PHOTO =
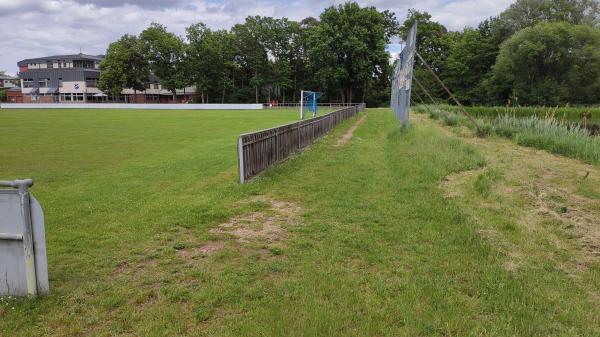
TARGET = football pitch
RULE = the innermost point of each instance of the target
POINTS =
(393, 233)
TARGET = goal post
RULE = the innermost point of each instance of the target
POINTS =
(308, 102)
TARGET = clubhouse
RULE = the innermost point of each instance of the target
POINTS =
(74, 79)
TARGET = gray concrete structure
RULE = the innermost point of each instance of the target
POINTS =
(23, 264)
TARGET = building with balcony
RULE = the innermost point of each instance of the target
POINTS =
(74, 79)
(61, 78)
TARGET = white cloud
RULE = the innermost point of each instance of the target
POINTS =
(33, 28)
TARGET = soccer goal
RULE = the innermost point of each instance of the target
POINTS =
(308, 103)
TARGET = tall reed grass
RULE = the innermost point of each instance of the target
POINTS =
(567, 113)
(548, 133)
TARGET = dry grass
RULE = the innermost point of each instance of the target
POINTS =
(541, 195)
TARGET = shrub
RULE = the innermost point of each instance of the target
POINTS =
(449, 118)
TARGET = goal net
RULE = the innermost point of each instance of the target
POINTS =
(308, 103)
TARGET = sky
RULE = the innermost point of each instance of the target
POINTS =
(35, 28)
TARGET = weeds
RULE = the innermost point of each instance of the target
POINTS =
(548, 133)
(583, 115)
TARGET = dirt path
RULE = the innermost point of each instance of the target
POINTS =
(350, 133)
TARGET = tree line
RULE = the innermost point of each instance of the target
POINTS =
(342, 54)
(536, 52)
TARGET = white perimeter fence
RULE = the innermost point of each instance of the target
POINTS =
(131, 106)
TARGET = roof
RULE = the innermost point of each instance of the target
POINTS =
(7, 77)
(61, 57)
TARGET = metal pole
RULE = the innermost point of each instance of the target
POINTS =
(423, 102)
(241, 158)
(28, 241)
(301, 104)
(424, 90)
(450, 93)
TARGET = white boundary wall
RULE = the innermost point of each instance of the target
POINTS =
(131, 106)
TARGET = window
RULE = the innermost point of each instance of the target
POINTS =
(83, 64)
(78, 97)
(60, 82)
(43, 82)
(65, 97)
(49, 64)
(91, 82)
(28, 83)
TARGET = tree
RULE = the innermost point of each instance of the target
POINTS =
(125, 66)
(549, 64)
(211, 56)
(252, 38)
(528, 13)
(347, 48)
(198, 61)
(468, 65)
(166, 53)
(433, 44)
(223, 44)
(301, 75)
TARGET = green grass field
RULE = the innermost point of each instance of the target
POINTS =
(149, 233)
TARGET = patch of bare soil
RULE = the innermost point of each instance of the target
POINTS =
(346, 137)
(264, 226)
(261, 227)
(205, 250)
